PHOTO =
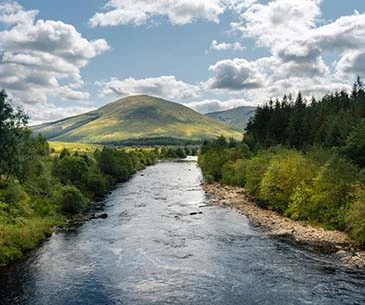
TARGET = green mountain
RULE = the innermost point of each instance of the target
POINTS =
(134, 120)
(236, 117)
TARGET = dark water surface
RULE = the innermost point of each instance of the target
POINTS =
(151, 251)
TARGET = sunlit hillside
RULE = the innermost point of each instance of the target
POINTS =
(136, 117)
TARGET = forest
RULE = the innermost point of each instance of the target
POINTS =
(302, 158)
(41, 188)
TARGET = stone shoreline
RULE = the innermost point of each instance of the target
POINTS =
(313, 238)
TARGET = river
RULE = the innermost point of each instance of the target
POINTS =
(150, 250)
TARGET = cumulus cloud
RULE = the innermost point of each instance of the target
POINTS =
(352, 63)
(178, 12)
(278, 20)
(40, 59)
(290, 30)
(140, 11)
(224, 46)
(304, 53)
(165, 86)
(235, 74)
(12, 13)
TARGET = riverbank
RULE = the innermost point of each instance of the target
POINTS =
(311, 237)
(61, 192)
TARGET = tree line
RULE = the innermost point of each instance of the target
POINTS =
(335, 121)
(305, 159)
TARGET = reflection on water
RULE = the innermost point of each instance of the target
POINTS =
(150, 250)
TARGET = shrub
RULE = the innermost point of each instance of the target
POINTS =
(70, 169)
(325, 199)
(319, 155)
(211, 163)
(117, 164)
(14, 194)
(71, 200)
(96, 184)
(209, 178)
(16, 199)
(255, 170)
(356, 218)
(234, 173)
(234, 154)
(286, 171)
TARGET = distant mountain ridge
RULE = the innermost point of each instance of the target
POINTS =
(236, 117)
(136, 119)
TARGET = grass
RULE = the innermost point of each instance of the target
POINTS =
(23, 234)
(73, 147)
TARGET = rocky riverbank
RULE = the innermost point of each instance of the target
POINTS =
(314, 238)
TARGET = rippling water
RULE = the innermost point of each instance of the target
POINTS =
(150, 250)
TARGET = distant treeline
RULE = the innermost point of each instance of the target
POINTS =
(335, 121)
(153, 142)
(40, 188)
(303, 159)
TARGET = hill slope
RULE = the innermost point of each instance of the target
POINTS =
(136, 117)
(236, 117)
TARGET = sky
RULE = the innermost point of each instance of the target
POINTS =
(62, 58)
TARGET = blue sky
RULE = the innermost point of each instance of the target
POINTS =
(60, 58)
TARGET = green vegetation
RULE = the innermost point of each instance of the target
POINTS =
(306, 161)
(137, 120)
(237, 117)
(58, 147)
(39, 190)
(334, 121)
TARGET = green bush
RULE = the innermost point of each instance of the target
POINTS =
(21, 235)
(71, 200)
(115, 163)
(96, 184)
(209, 178)
(356, 218)
(319, 155)
(14, 194)
(234, 173)
(255, 170)
(16, 199)
(325, 199)
(70, 169)
(44, 207)
(285, 173)
(212, 162)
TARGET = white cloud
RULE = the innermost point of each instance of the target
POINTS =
(235, 74)
(52, 113)
(290, 30)
(224, 46)
(352, 63)
(12, 13)
(40, 59)
(213, 105)
(304, 53)
(278, 20)
(178, 12)
(165, 86)
(138, 12)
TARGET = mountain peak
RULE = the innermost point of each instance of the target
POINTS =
(136, 117)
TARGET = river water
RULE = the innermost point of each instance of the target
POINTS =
(150, 250)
